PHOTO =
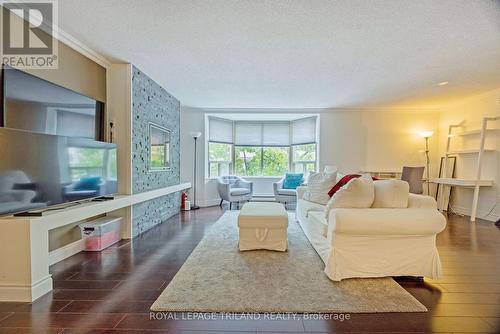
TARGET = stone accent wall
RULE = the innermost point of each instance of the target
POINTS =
(153, 104)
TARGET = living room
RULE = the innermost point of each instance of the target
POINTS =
(250, 166)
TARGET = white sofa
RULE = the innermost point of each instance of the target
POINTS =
(375, 242)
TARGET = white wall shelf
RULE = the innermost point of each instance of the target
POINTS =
(477, 182)
(471, 132)
(25, 276)
(463, 182)
(471, 151)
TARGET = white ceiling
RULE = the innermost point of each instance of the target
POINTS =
(301, 53)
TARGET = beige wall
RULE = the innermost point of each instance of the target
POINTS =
(375, 140)
(352, 140)
(472, 110)
(77, 73)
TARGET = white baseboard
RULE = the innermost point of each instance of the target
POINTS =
(216, 201)
(25, 293)
(210, 202)
(66, 251)
(480, 214)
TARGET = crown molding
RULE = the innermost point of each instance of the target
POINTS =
(312, 110)
(81, 47)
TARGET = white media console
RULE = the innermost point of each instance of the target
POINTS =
(24, 241)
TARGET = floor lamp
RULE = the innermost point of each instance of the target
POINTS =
(426, 135)
(195, 135)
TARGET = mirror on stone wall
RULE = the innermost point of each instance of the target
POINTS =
(159, 148)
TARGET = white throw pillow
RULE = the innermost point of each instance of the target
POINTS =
(357, 193)
(391, 194)
(318, 186)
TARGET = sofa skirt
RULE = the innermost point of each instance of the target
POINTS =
(379, 256)
(263, 238)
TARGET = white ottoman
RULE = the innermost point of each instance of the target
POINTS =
(263, 226)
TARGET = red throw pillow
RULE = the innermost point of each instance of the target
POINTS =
(343, 181)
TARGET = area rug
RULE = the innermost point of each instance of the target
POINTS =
(217, 277)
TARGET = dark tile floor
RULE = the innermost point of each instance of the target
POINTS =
(111, 292)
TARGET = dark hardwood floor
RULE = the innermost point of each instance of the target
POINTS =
(111, 292)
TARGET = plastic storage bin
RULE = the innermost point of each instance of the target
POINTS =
(101, 233)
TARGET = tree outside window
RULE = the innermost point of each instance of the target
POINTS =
(219, 159)
(304, 158)
(247, 161)
(275, 161)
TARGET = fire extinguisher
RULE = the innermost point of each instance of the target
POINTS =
(183, 201)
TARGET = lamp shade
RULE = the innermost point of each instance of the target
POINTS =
(426, 134)
(195, 134)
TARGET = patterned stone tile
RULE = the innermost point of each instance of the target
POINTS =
(151, 103)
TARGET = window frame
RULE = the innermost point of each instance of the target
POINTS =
(103, 168)
(262, 164)
(219, 163)
(304, 163)
(232, 164)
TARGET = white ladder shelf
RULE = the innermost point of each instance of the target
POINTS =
(476, 183)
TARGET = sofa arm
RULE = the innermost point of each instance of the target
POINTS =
(385, 221)
(223, 189)
(301, 191)
(277, 186)
(421, 201)
(245, 184)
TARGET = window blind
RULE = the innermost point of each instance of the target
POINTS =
(248, 133)
(262, 133)
(220, 130)
(304, 131)
(267, 133)
(276, 134)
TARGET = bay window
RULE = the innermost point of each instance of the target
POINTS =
(219, 159)
(304, 158)
(261, 148)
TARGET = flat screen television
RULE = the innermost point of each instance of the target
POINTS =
(33, 104)
(40, 170)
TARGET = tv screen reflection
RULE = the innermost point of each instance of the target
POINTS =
(40, 170)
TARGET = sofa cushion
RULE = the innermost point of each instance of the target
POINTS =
(318, 186)
(342, 182)
(357, 193)
(391, 194)
(239, 191)
(287, 192)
